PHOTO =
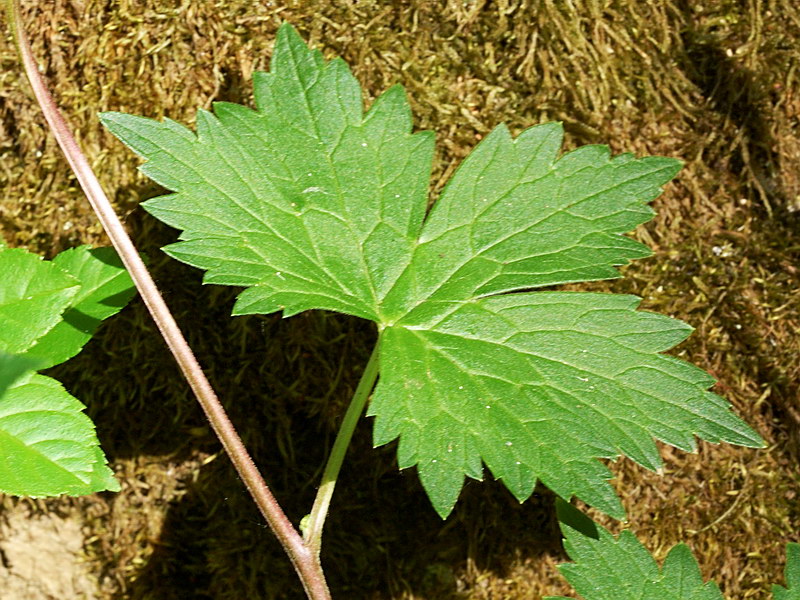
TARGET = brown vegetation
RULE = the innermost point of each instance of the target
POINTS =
(714, 82)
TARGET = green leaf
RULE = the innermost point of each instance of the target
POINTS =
(537, 385)
(792, 575)
(33, 294)
(49, 445)
(310, 203)
(608, 567)
(49, 310)
(105, 288)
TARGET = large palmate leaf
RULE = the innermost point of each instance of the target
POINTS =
(308, 202)
(49, 311)
(606, 567)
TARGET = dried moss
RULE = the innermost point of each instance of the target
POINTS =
(714, 82)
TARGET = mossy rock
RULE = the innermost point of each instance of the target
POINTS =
(714, 83)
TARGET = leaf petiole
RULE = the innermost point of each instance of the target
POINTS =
(315, 521)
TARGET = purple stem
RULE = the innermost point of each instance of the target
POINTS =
(306, 562)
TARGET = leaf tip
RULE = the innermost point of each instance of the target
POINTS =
(108, 119)
(106, 116)
(287, 37)
(442, 485)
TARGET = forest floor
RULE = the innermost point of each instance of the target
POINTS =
(713, 82)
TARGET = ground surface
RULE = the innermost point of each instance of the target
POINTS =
(714, 82)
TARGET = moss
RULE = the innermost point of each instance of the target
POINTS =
(712, 82)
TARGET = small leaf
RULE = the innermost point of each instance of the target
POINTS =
(308, 202)
(49, 445)
(48, 311)
(608, 567)
(33, 294)
(105, 288)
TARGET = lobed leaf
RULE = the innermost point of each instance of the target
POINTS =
(539, 385)
(310, 203)
(514, 217)
(307, 202)
(608, 567)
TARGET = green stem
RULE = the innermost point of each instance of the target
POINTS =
(316, 519)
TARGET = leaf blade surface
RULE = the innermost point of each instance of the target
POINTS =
(323, 215)
(33, 294)
(105, 288)
(311, 203)
(49, 445)
(609, 567)
(791, 575)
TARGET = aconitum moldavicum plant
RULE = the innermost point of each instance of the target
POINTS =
(309, 203)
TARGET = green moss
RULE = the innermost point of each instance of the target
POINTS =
(714, 83)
